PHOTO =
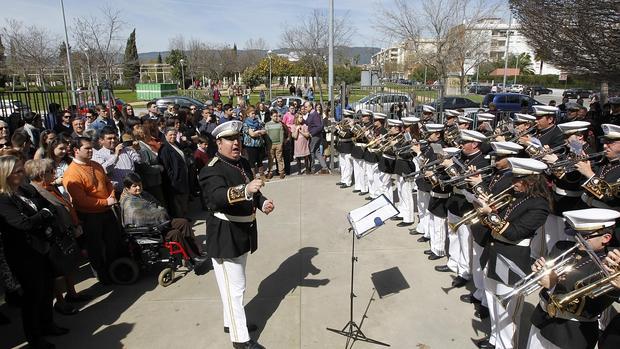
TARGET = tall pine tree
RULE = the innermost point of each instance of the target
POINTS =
(131, 63)
(3, 70)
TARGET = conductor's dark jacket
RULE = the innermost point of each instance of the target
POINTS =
(223, 183)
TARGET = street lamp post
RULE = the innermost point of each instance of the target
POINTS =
(182, 61)
(73, 99)
(269, 56)
(514, 82)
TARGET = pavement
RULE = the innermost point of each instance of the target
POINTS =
(297, 285)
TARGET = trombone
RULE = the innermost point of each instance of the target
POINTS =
(460, 180)
(475, 216)
(522, 133)
(560, 265)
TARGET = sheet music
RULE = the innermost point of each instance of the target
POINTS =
(371, 215)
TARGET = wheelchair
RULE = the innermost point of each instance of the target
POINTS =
(146, 249)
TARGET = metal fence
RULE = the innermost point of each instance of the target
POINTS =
(37, 102)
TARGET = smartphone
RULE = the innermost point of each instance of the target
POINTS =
(127, 143)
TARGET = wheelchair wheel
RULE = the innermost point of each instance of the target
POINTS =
(124, 271)
(166, 277)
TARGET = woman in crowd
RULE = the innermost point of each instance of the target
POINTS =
(26, 219)
(150, 169)
(47, 137)
(41, 173)
(128, 112)
(140, 209)
(152, 134)
(119, 122)
(302, 144)
(58, 152)
(175, 178)
(253, 141)
(5, 139)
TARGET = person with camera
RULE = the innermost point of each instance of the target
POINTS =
(118, 159)
(27, 227)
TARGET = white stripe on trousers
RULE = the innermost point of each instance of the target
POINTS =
(404, 189)
(423, 214)
(230, 276)
(359, 173)
(345, 162)
(370, 177)
(477, 272)
(504, 321)
(438, 228)
(459, 248)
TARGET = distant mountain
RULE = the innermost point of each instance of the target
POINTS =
(343, 54)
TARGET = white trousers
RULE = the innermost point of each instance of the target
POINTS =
(459, 248)
(404, 190)
(537, 341)
(383, 184)
(359, 173)
(370, 169)
(477, 273)
(504, 321)
(345, 162)
(230, 276)
(438, 229)
(423, 214)
(547, 236)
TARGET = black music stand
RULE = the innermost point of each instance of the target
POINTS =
(363, 221)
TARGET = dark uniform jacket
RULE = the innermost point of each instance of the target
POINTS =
(567, 333)
(551, 136)
(357, 152)
(387, 162)
(404, 164)
(345, 142)
(457, 204)
(421, 182)
(610, 173)
(524, 216)
(495, 184)
(567, 190)
(223, 182)
(373, 157)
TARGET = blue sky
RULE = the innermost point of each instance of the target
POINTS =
(156, 21)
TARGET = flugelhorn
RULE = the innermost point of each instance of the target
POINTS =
(504, 198)
(560, 265)
(573, 301)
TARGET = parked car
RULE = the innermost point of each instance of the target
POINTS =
(509, 101)
(182, 101)
(537, 90)
(453, 102)
(383, 102)
(288, 100)
(480, 89)
(576, 93)
(516, 88)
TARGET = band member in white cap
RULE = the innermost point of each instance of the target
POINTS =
(574, 325)
(512, 227)
(494, 185)
(232, 197)
(344, 147)
(385, 168)
(372, 157)
(546, 130)
(485, 123)
(459, 246)
(428, 114)
(357, 153)
(405, 165)
(601, 186)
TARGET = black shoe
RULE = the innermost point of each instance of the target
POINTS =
(396, 218)
(469, 298)
(442, 268)
(251, 328)
(356, 190)
(403, 224)
(202, 266)
(362, 193)
(66, 309)
(199, 259)
(414, 232)
(344, 186)
(55, 330)
(482, 312)
(423, 239)
(483, 344)
(251, 344)
(79, 298)
(368, 198)
(459, 282)
(433, 257)
(428, 252)
(339, 183)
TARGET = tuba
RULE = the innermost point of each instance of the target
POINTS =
(474, 216)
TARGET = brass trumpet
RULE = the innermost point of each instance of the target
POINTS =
(474, 216)
(562, 167)
(459, 180)
(560, 265)
(522, 133)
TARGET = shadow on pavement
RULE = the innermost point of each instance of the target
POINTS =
(272, 290)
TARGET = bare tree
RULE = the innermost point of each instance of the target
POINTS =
(256, 44)
(99, 38)
(577, 36)
(442, 33)
(30, 48)
(308, 38)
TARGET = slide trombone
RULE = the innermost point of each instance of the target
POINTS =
(460, 180)
(504, 198)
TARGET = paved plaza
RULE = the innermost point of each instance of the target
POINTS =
(298, 284)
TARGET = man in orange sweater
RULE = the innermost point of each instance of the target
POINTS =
(93, 198)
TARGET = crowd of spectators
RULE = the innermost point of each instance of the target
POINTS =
(69, 186)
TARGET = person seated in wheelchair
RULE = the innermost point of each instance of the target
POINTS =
(141, 209)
